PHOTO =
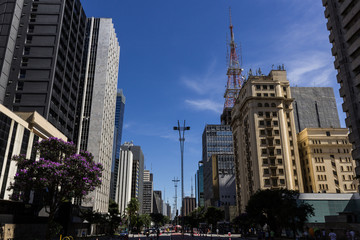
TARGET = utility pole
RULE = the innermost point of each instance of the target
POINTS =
(182, 141)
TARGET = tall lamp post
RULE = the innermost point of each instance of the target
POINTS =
(181, 131)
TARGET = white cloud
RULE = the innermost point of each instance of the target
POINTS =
(205, 104)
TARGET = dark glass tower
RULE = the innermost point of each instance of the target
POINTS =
(46, 65)
(119, 118)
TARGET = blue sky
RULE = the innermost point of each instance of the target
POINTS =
(173, 65)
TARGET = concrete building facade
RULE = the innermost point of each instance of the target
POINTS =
(123, 190)
(47, 60)
(18, 133)
(157, 202)
(216, 140)
(265, 143)
(147, 199)
(189, 205)
(98, 103)
(10, 14)
(343, 24)
(327, 165)
(314, 107)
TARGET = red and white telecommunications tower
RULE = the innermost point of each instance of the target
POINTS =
(234, 73)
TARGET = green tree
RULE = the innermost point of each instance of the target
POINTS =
(279, 209)
(196, 217)
(157, 218)
(146, 220)
(114, 217)
(132, 212)
(214, 215)
(60, 175)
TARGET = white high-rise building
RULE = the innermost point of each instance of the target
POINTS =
(124, 180)
(98, 103)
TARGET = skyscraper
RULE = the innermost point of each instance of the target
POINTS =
(314, 107)
(46, 63)
(199, 178)
(157, 202)
(96, 123)
(119, 118)
(265, 145)
(344, 27)
(216, 140)
(147, 200)
(137, 171)
(124, 180)
(10, 14)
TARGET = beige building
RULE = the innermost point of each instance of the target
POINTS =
(189, 205)
(325, 155)
(265, 144)
(18, 133)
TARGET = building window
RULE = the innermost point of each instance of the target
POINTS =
(264, 87)
(267, 181)
(276, 132)
(280, 161)
(265, 161)
(266, 95)
(282, 181)
(276, 123)
(327, 133)
(278, 151)
(259, 105)
(261, 123)
(262, 132)
(266, 171)
(274, 114)
(271, 86)
(263, 151)
(263, 141)
(257, 87)
(260, 114)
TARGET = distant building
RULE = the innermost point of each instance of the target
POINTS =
(124, 181)
(147, 204)
(327, 165)
(216, 140)
(344, 30)
(18, 133)
(314, 107)
(168, 210)
(265, 143)
(96, 123)
(119, 118)
(199, 180)
(189, 205)
(157, 202)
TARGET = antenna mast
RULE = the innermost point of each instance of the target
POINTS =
(175, 180)
(234, 72)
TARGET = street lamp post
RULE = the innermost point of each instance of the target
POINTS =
(181, 131)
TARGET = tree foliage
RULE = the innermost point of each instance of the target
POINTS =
(114, 219)
(60, 174)
(278, 209)
(132, 212)
(157, 218)
(214, 215)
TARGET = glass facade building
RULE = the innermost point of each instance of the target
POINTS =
(216, 140)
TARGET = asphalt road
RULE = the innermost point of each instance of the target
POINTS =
(185, 237)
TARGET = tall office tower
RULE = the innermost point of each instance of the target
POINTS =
(168, 210)
(325, 155)
(137, 185)
(157, 202)
(119, 118)
(123, 189)
(147, 200)
(199, 178)
(10, 14)
(46, 64)
(216, 140)
(18, 133)
(265, 146)
(314, 107)
(344, 27)
(189, 205)
(223, 179)
(98, 102)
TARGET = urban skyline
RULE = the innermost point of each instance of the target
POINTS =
(189, 54)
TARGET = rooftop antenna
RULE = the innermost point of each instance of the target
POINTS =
(192, 188)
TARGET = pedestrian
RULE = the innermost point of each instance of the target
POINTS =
(272, 235)
(332, 235)
(323, 234)
(352, 234)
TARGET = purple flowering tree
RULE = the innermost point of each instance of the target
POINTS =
(60, 174)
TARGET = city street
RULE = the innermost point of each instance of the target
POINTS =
(187, 236)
